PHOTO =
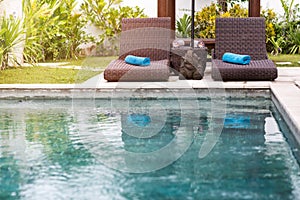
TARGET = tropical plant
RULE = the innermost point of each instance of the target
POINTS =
(225, 3)
(11, 33)
(107, 16)
(287, 6)
(53, 29)
(294, 42)
(276, 45)
(237, 11)
(291, 18)
(272, 31)
(183, 26)
(205, 19)
(34, 14)
(289, 25)
(67, 31)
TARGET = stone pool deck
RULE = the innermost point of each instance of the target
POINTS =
(285, 89)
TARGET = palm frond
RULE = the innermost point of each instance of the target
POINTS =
(183, 26)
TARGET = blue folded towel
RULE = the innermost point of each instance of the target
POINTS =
(236, 58)
(136, 60)
(139, 119)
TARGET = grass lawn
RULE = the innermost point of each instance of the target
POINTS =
(294, 59)
(42, 74)
(89, 62)
(35, 75)
(90, 67)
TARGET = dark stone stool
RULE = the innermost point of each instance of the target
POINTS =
(189, 63)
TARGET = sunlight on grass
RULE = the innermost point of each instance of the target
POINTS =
(97, 62)
(294, 59)
(91, 66)
(89, 62)
(36, 75)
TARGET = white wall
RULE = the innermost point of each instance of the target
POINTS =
(11, 7)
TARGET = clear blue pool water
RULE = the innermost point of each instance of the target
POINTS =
(58, 149)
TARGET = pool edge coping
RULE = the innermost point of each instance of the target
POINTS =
(285, 97)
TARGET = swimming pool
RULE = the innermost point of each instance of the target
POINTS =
(146, 149)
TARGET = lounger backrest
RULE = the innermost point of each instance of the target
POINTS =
(147, 37)
(241, 36)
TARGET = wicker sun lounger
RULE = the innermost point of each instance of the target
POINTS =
(145, 37)
(242, 36)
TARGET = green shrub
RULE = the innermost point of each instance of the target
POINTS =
(11, 33)
(274, 42)
(33, 13)
(183, 26)
(294, 42)
(205, 22)
(283, 32)
(205, 19)
(237, 11)
(53, 29)
(289, 26)
(107, 16)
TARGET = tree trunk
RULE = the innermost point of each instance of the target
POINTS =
(166, 8)
(254, 8)
(223, 5)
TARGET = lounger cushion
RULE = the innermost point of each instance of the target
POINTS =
(118, 70)
(256, 70)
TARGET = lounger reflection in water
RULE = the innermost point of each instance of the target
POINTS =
(272, 131)
(143, 133)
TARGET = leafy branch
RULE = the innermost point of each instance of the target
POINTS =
(107, 16)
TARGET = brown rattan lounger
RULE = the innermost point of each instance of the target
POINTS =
(145, 37)
(242, 36)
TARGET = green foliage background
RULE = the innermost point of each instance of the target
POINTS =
(282, 32)
(107, 15)
(53, 29)
(10, 37)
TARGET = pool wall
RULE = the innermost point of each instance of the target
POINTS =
(69, 92)
(286, 108)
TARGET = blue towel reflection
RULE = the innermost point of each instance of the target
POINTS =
(139, 119)
(236, 58)
(237, 121)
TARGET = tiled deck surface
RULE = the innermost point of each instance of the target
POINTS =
(285, 89)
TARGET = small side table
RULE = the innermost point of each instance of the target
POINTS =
(178, 61)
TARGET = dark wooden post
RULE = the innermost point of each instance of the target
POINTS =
(193, 24)
(166, 8)
(254, 8)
